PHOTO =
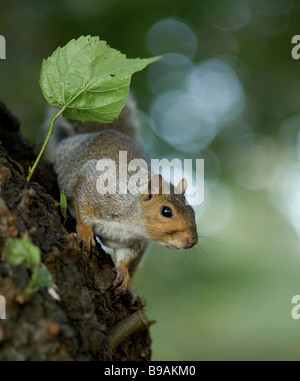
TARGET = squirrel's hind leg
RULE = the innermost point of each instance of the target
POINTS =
(127, 260)
(122, 282)
(136, 263)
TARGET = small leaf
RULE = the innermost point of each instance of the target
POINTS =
(89, 78)
(63, 205)
(22, 251)
(41, 277)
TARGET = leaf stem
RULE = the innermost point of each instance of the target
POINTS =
(50, 132)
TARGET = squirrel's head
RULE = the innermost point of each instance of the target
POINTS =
(168, 218)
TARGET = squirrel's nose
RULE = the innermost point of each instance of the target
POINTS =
(190, 242)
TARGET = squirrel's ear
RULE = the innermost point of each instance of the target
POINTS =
(154, 186)
(182, 186)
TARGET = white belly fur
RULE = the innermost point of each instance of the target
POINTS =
(114, 234)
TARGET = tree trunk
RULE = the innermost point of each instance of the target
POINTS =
(87, 322)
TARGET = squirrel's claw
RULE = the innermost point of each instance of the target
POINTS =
(86, 244)
(122, 283)
(85, 236)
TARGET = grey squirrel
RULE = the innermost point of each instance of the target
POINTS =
(123, 222)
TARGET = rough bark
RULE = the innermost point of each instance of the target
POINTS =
(84, 323)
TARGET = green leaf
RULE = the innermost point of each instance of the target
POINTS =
(89, 78)
(63, 205)
(41, 277)
(22, 251)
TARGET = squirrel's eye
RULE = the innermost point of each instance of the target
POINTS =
(166, 211)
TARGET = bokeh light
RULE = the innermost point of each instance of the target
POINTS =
(230, 15)
(171, 35)
(206, 95)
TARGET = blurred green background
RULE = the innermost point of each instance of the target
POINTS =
(227, 90)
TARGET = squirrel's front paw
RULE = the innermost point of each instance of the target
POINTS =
(122, 283)
(85, 237)
(86, 244)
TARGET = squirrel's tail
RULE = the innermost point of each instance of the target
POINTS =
(126, 123)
